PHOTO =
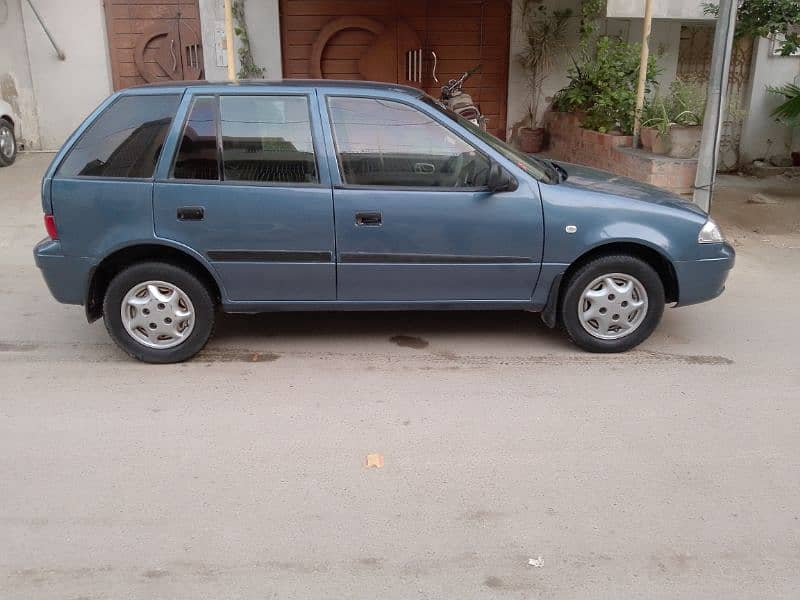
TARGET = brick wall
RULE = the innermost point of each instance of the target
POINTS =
(572, 143)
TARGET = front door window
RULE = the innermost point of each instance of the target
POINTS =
(390, 144)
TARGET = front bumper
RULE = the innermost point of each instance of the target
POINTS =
(704, 279)
(65, 276)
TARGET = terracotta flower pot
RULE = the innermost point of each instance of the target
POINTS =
(647, 137)
(684, 141)
(660, 143)
(531, 140)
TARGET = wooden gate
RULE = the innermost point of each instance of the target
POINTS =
(393, 41)
(152, 42)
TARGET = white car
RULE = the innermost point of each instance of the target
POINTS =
(8, 138)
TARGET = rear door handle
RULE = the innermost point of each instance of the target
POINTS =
(191, 213)
(369, 219)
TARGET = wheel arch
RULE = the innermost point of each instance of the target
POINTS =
(124, 257)
(656, 259)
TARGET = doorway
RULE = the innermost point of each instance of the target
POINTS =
(386, 40)
(152, 43)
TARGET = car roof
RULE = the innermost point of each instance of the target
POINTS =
(334, 84)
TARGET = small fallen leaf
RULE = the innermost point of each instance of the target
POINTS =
(374, 461)
(536, 562)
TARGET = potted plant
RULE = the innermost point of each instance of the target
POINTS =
(544, 31)
(688, 104)
(649, 131)
(658, 126)
(789, 111)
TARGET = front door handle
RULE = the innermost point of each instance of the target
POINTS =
(369, 219)
(191, 213)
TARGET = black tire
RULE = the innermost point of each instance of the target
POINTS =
(577, 283)
(199, 295)
(7, 127)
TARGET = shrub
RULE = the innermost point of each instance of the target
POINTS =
(686, 104)
(789, 111)
(604, 85)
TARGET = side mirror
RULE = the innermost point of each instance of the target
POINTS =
(500, 180)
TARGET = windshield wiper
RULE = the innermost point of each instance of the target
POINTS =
(561, 171)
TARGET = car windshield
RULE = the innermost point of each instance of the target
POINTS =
(537, 168)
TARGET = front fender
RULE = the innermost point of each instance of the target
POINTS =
(598, 219)
(579, 221)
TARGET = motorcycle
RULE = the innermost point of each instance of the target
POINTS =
(454, 98)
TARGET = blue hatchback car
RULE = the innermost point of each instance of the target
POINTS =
(172, 201)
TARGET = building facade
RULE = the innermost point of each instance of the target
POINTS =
(112, 44)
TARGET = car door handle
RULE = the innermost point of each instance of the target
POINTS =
(372, 219)
(191, 213)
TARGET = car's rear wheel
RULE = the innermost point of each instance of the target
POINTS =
(8, 144)
(158, 312)
(612, 303)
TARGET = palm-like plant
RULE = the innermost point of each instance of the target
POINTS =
(544, 33)
(789, 111)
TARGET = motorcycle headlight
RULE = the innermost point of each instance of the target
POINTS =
(710, 233)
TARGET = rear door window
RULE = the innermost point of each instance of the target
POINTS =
(267, 139)
(124, 141)
(198, 157)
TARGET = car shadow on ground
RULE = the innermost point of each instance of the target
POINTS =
(365, 325)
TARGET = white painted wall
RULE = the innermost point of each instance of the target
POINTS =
(684, 10)
(16, 85)
(263, 23)
(66, 91)
(212, 15)
(665, 41)
(762, 136)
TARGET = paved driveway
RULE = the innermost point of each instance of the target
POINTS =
(669, 472)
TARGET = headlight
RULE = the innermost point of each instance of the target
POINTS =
(710, 234)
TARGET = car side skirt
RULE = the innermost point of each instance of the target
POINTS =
(356, 305)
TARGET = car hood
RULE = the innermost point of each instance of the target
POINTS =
(586, 178)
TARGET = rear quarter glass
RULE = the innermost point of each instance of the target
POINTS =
(124, 141)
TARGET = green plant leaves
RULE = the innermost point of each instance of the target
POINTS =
(604, 85)
(789, 111)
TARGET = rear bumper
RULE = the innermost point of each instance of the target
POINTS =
(704, 279)
(65, 276)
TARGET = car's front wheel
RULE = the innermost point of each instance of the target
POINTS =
(8, 144)
(612, 303)
(158, 312)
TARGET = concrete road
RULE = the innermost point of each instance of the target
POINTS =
(669, 472)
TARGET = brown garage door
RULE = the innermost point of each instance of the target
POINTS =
(154, 40)
(350, 39)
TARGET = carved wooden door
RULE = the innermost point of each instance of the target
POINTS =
(151, 43)
(394, 41)
(393, 55)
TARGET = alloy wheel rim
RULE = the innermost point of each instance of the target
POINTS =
(613, 306)
(6, 142)
(157, 314)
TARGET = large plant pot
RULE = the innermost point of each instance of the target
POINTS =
(684, 141)
(660, 143)
(647, 136)
(531, 140)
